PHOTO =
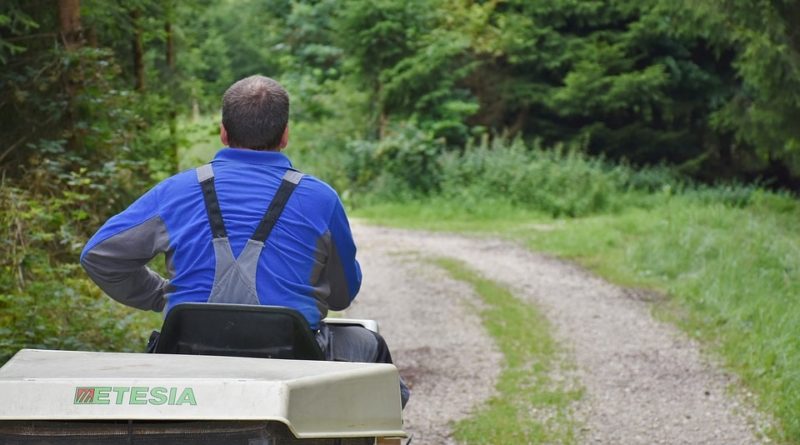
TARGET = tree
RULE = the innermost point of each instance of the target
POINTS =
(608, 74)
(69, 19)
(171, 75)
(763, 112)
(137, 48)
(412, 57)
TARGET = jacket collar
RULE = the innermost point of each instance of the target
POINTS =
(274, 158)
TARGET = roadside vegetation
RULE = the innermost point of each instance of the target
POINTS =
(725, 258)
(530, 406)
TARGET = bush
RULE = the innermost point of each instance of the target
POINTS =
(655, 179)
(730, 195)
(563, 181)
(404, 163)
(560, 181)
(410, 164)
(46, 301)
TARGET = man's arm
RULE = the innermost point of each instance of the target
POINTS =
(342, 270)
(116, 256)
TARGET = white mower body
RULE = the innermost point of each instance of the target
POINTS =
(314, 399)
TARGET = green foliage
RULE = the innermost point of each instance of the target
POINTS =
(321, 145)
(45, 300)
(72, 110)
(763, 111)
(443, 214)
(693, 84)
(17, 23)
(558, 181)
(610, 74)
(650, 82)
(729, 268)
(404, 162)
(412, 59)
(213, 57)
(727, 256)
(81, 145)
(379, 34)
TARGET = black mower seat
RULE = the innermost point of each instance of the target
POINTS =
(237, 330)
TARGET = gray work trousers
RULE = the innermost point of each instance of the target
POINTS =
(354, 343)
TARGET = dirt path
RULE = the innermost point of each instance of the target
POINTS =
(645, 382)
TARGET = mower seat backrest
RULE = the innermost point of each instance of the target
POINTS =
(237, 330)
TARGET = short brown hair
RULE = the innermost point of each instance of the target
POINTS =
(255, 112)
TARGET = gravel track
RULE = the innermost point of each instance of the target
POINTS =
(645, 382)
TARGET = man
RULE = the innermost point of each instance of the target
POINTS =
(246, 228)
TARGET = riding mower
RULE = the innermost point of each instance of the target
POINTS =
(219, 374)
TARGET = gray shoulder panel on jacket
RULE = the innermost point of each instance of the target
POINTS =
(118, 265)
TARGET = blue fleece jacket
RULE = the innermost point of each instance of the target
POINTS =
(308, 263)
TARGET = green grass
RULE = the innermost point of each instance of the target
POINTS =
(732, 274)
(442, 214)
(529, 407)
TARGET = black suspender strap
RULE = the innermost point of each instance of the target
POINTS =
(288, 184)
(205, 175)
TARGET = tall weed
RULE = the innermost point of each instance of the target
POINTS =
(560, 181)
(407, 160)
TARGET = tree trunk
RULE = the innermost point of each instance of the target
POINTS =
(69, 21)
(170, 59)
(170, 44)
(382, 119)
(69, 28)
(138, 51)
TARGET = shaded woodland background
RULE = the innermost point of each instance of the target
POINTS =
(390, 100)
(711, 88)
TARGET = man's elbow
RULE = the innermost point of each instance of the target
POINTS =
(98, 270)
(90, 266)
(140, 288)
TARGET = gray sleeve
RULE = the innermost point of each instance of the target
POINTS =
(339, 298)
(118, 265)
(327, 277)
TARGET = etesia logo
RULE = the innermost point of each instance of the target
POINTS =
(133, 395)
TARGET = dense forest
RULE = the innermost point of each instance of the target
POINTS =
(710, 88)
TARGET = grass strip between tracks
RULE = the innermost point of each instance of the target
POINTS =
(535, 392)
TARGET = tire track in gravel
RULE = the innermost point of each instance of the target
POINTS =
(646, 383)
(437, 341)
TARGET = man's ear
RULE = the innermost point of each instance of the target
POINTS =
(284, 138)
(223, 135)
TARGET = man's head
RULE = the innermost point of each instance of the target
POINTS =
(255, 114)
